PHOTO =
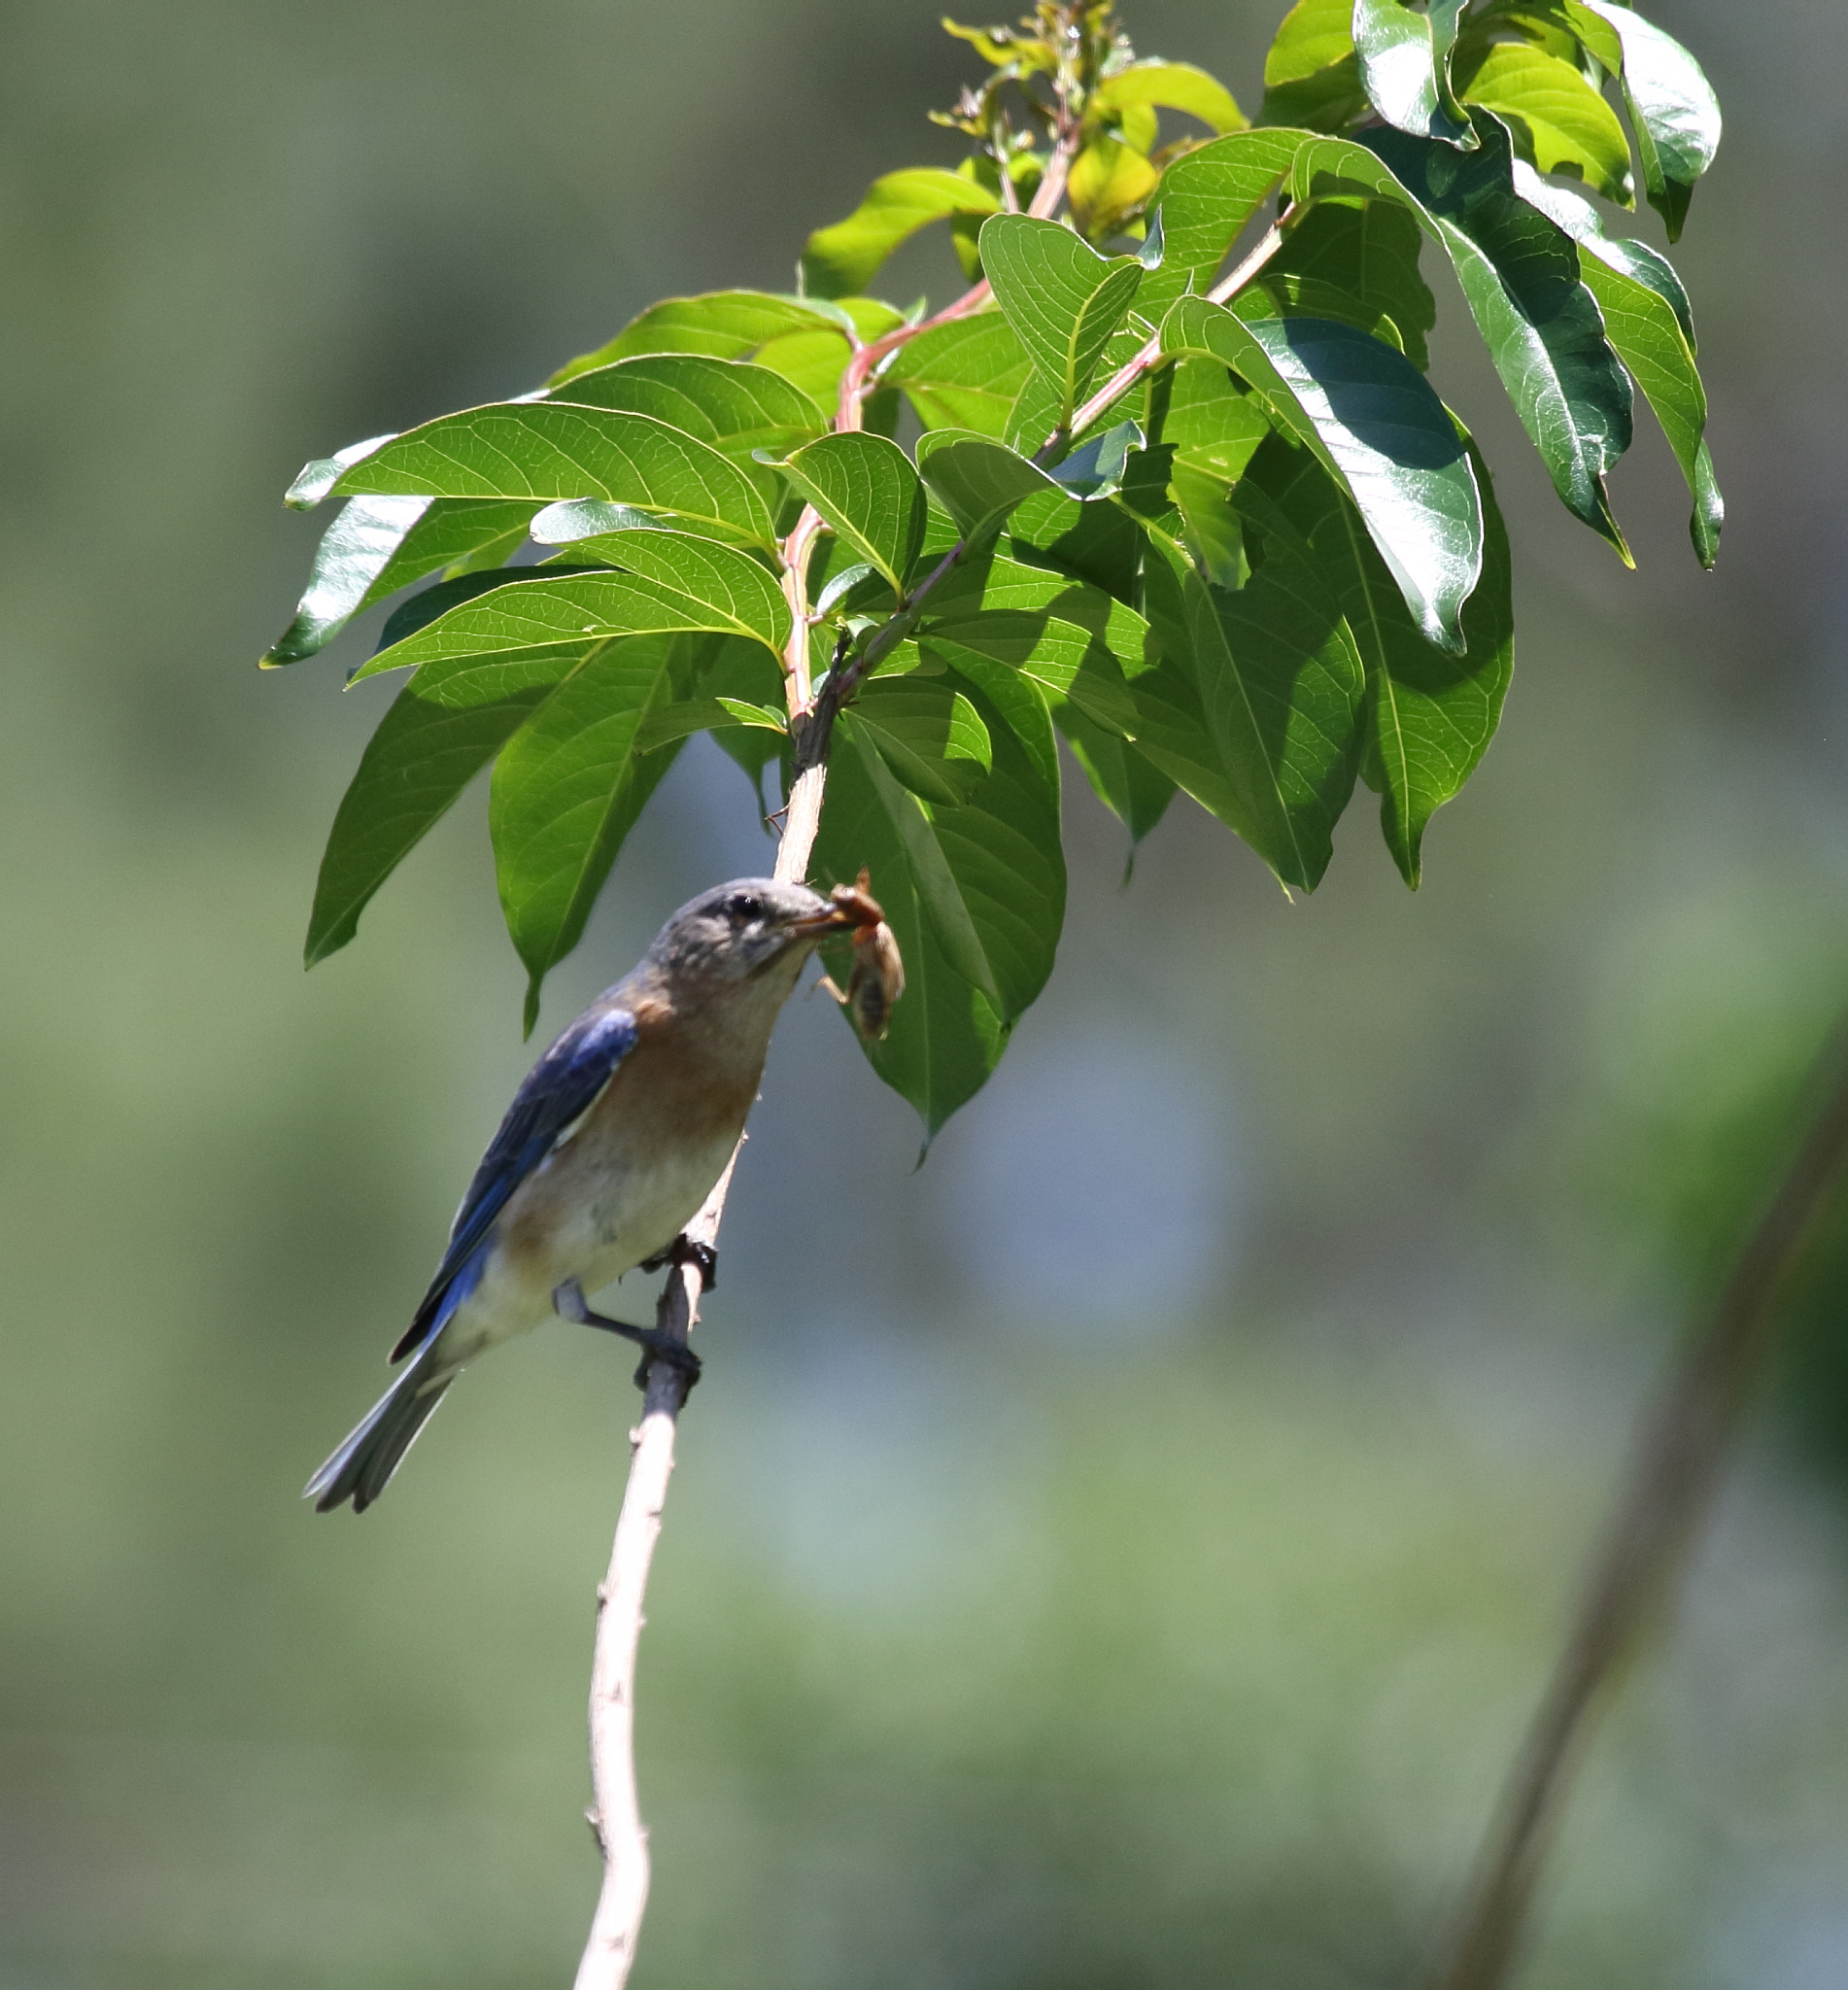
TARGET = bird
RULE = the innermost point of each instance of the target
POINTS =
(612, 1142)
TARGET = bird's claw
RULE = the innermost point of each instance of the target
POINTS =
(683, 1251)
(569, 1303)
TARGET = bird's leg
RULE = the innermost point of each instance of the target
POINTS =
(569, 1303)
(684, 1250)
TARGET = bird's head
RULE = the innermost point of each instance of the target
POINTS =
(736, 930)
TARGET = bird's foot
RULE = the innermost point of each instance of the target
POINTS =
(683, 1251)
(569, 1303)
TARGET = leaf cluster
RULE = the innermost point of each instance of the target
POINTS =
(1213, 527)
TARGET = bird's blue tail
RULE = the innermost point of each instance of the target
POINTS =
(362, 1466)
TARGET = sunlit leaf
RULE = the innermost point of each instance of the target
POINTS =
(1312, 77)
(1430, 715)
(842, 260)
(1109, 182)
(1520, 275)
(865, 487)
(377, 545)
(965, 374)
(1647, 319)
(1173, 86)
(1063, 299)
(1402, 70)
(568, 788)
(744, 597)
(980, 480)
(733, 405)
(1365, 249)
(543, 451)
(1375, 423)
(722, 325)
(1672, 108)
(1208, 199)
(1558, 122)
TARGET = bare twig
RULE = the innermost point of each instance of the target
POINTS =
(1676, 1465)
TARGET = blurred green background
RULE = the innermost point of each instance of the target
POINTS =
(1121, 1554)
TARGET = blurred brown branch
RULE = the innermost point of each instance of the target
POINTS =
(1678, 1453)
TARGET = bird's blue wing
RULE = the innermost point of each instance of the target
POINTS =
(558, 1090)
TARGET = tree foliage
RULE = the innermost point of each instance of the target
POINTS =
(1213, 526)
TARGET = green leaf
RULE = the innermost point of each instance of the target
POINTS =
(738, 672)
(542, 450)
(743, 597)
(1063, 299)
(723, 325)
(1173, 86)
(1280, 689)
(1430, 715)
(668, 723)
(426, 751)
(1519, 273)
(528, 620)
(377, 545)
(965, 374)
(1208, 199)
(1558, 122)
(1672, 110)
(1311, 77)
(865, 487)
(1131, 786)
(568, 789)
(1403, 72)
(1366, 249)
(1375, 423)
(840, 260)
(1109, 185)
(316, 479)
(1096, 467)
(975, 893)
(1647, 321)
(980, 480)
(929, 734)
(729, 403)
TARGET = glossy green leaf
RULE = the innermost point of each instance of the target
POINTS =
(1129, 785)
(377, 545)
(1519, 273)
(840, 260)
(865, 487)
(317, 479)
(1430, 715)
(1172, 86)
(733, 405)
(1672, 108)
(1312, 75)
(1208, 199)
(1063, 299)
(1109, 185)
(544, 451)
(547, 616)
(1365, 249)
(426, 750)
(980, 480)
(1377, 427)
(1558, 122)
(965, 374)
(1646, 318)
(568, 788)
(741, 673)
(1402, 70)
(744, 597)
(814, 359)
(722, 325)
(975, 893)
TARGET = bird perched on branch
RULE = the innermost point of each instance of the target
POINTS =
(610, 1147)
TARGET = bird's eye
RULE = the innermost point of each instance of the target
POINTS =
(739, 905)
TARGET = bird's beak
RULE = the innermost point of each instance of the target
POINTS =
(850, 907)
(830, 919)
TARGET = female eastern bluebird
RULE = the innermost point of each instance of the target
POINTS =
(612, 1145)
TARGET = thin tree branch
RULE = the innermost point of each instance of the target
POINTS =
(1676, 1465)
(610, 1951)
